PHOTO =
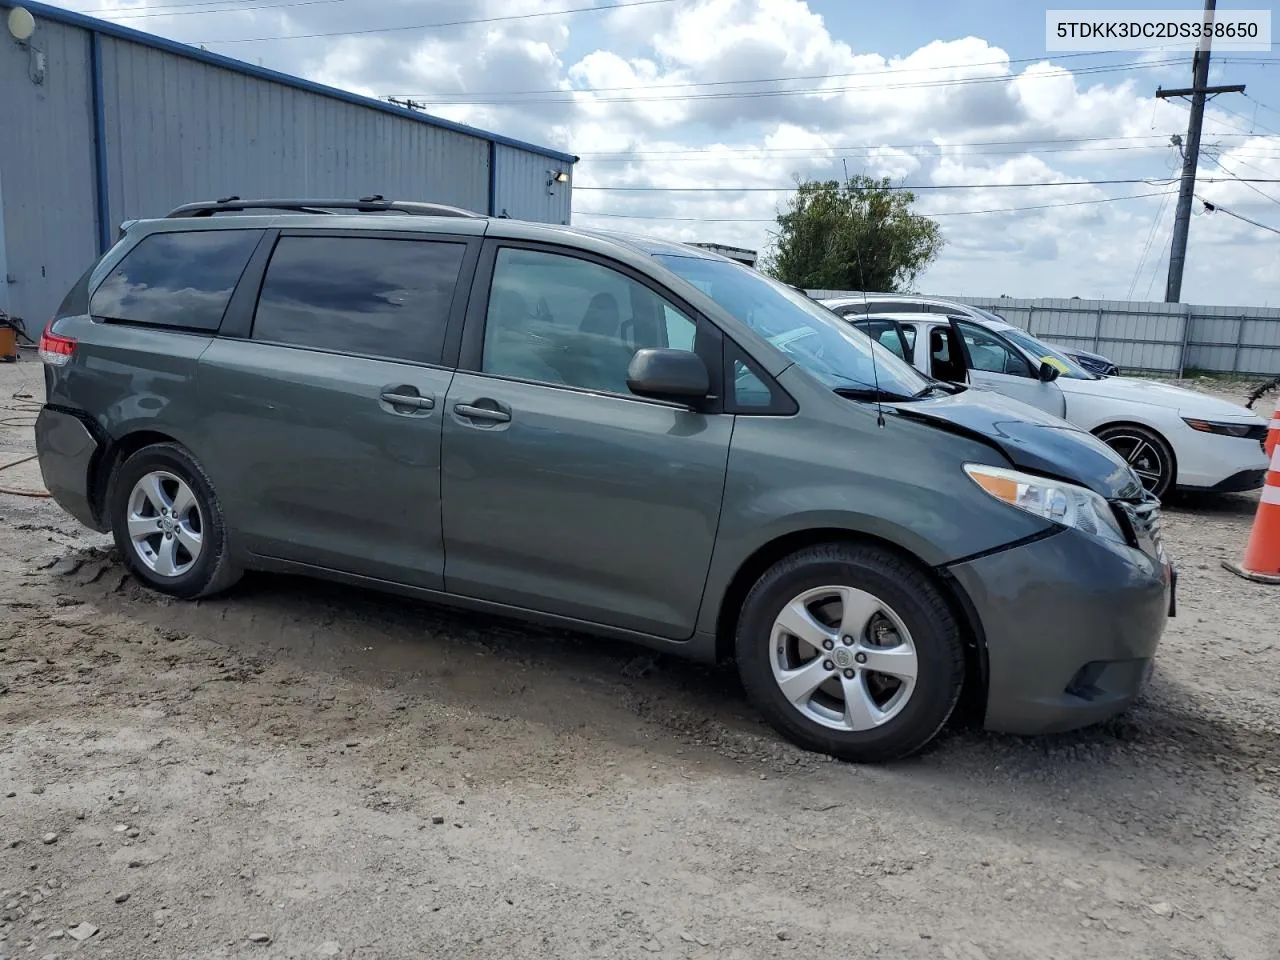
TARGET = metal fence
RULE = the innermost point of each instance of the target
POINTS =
(1166, 338)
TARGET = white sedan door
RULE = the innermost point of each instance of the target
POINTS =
(992, 363)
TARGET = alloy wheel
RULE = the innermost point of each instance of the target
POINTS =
(165, 525)
(843, 658)
(1145, 457)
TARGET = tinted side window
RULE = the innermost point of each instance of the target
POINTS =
(360, 295)
(179, 280)
(558, 319)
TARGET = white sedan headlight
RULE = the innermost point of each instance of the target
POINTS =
(1063, 503)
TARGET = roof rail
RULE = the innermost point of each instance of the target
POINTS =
(373, 204)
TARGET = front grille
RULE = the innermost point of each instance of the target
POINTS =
(1145, 520)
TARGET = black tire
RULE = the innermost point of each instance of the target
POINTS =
(897, 583)
(1147, 452)
(212, 571)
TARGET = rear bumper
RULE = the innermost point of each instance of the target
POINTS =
(1071, 625)
(68, 452)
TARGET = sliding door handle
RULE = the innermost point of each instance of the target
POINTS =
(473, 412)
(409, 400)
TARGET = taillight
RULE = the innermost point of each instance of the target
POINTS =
(56, 350)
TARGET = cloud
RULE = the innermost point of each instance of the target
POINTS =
(737, 94)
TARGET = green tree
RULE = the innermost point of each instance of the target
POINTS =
(856, 235)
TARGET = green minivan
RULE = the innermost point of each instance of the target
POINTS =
(633, 438)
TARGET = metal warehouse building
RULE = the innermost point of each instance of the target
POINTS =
(101, 124)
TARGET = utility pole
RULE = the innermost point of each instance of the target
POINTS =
(1198, 91)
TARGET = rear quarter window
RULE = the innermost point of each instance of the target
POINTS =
(179, 280)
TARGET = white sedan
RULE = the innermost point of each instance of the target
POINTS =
(1173, 438)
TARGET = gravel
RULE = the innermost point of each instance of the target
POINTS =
(607, 813)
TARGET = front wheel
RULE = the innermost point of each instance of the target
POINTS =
(1146, 452)
(850, 650)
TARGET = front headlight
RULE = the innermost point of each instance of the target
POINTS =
(1248, 430)
(1063, 503)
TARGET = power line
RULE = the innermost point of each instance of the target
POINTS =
(1261, 104)
(1163, 138)
(1151, 235)
(1211, 207)
(1251, 122)
(1218, 163)
(451, 23)
(1235, 157)
(791, 79)
(1155, 267)
(821, 153)
(914, 188)
(940, 213)
(569, 96)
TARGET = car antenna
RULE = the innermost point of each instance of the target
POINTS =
(875, 373)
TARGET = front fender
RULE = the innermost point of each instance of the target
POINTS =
(902, 483)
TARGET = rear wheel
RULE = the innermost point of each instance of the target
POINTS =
(168, 524)
(1146, 452)
(850, 650)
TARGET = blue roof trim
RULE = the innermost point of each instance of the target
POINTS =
(70, 18)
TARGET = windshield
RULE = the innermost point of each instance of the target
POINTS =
(807, 332)
(987, 313)
(1046, 354)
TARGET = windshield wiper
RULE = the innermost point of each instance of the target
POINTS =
(872, 394)
(929, 390)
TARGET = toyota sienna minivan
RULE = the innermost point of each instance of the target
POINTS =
(632, 438)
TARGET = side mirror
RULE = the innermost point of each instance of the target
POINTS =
(679, 376)
(1048, 372)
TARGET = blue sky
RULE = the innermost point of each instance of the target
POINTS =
(685, 93)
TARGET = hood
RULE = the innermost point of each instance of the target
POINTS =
(1187, 402)
(1032, 440)
(1076, 351)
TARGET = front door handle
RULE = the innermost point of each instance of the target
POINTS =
(472, 412)
(408, 400)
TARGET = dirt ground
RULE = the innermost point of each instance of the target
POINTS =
(299, 770)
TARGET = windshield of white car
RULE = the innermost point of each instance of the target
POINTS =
(817, 339)
(989, 315)
(1046, 354)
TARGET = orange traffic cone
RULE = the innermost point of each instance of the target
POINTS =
(1262, 555)
(1273, 434)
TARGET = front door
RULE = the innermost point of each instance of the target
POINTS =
(563, 492)
(995, 364)
(324, 423)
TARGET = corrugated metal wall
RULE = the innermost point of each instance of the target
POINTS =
(1234, 339)
(1137, 336)
(47, 207)
(181, 130)
(521, 190)
(1166, 338)
(180, 125)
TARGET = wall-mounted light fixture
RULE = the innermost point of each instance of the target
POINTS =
(555, 176)
(22, 25)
